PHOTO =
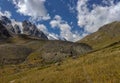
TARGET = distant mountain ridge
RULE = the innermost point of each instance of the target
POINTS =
(26, 27)
(105, 36)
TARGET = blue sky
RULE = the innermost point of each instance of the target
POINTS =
(70, 19)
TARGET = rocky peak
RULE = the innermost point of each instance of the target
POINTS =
(28, 28)
(4, 32)
(32, 30)
(5, 20)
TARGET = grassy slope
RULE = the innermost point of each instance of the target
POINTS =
(102, 66)
(105, 36)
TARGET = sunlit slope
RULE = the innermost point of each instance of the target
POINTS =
(102, 66)
(105, 36)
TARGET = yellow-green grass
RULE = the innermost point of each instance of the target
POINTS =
(98, 67)
(105, 36)
(106, 41)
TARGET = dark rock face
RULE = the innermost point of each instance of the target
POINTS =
(5, 20)
(27, 27)
(31, 29)
(17, 29)
(4, 32)
(11, 29)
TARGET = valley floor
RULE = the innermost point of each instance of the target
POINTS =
(102, 66)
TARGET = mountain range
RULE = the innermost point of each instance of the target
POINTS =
(26, 27)
(32, 45)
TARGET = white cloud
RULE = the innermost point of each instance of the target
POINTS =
(100, 15)
(72, 6)
(5, 13)
(65, 29)
(43, 28)
(56, 22)
(51, 36)
(33, 8)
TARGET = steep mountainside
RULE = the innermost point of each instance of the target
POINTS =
(4, 32)
(101, 66)
(6, 22)
(29, 48)
(32, 30)
(36, 51)
(27, 28)
(105, 36)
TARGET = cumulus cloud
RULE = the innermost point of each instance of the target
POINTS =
(65, 29)
(51, 36)
(33, 8)
(93, 19)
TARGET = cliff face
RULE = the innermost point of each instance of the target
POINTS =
(4, 32)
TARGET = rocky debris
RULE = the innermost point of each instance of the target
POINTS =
(56, 51)
(13, 54)
(57, 64)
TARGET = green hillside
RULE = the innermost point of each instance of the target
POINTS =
(102, 66)
(105, 36)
